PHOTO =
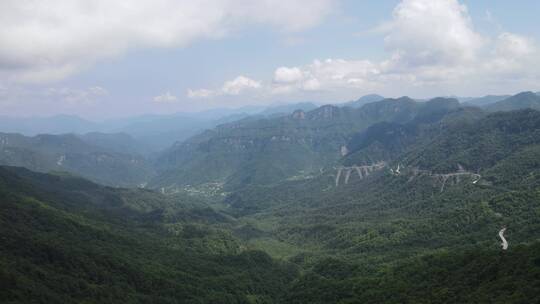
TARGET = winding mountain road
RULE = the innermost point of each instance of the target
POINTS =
(504, 243)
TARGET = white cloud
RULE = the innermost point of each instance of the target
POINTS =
(312, 85)
(167, 97)
(288, 75)
(44, 41)
(509, 44)
(425, 32)
(324, 75)
(430, 44)
(236, 86)
(239, 84)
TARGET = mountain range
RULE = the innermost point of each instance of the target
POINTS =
(110, 159)
(158, 132)
(299, 145)
(381, 200)
(269, 150)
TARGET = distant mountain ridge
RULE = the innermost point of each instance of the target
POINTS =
(397, 201)
(160, 131)
(239, 149)
(286, 109)
(269, 150)
(156, 131)
(90, 156)
(363, 100)
(485, 100)
(58, 124)
(116, 142)
(297, 146)
(519, 101)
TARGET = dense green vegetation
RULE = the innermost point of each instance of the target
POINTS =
(108, 159)
(255, 152)
(519, 101)
(415, 211)
(255, 211)
(66, 240)
(400, 238)
(473, 276)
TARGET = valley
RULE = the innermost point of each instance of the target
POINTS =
(269, 152)
(331, 205)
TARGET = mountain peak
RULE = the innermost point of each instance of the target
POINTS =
(521, 100)
(525, 94)
(363, 100)
(324, 112)
(288, 108)
(404, 99)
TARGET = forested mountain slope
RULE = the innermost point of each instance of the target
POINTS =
(519, 101)
(477, 275)
(363, 100)
(395, 202)
(271, 150)
(485, 158)
(116, 142)
(67, 240)
(104, 158)
(461, 179)
(485, 100)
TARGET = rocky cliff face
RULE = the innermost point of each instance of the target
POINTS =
(269, 150)
(298, 114)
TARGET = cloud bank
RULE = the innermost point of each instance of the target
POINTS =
(430, 44)
(50, 40)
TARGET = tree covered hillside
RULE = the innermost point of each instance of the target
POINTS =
(271, 150)
(438, 211)
(105, 158)
(519, 101)
(395, 202)
(67, 240)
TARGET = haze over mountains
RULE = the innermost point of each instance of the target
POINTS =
(270, 152)
(156, 131)
(329, 204)
(160, 131)
(231, 148)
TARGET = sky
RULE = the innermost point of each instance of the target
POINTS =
(102, 59)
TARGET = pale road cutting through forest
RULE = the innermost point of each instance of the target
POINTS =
(504, 243)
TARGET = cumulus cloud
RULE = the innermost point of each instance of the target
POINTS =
(167, 97)
(430, 43)
(324, 75)
(236, 86)
(44, 41)
(426, 32)
(288, 75)
(239, 84)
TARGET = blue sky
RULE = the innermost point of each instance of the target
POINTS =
(229, 53)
